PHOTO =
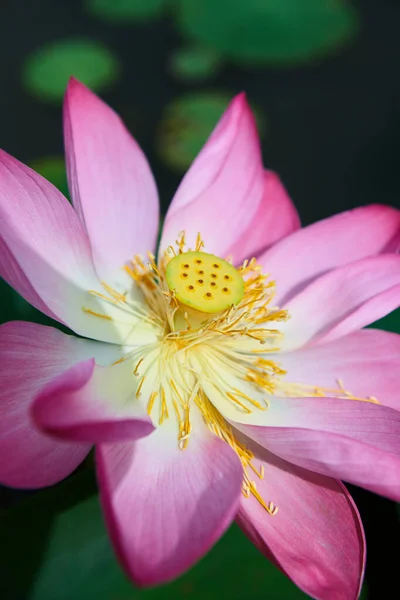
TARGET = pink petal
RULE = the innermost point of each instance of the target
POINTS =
(110, 180)
(30, 356)
(333, 242)
(44, 250)
(223, 189)
(351, 440)
(343, 301)
(373, 309)
(316, 538)
(394, 245)
(367, 363)
(275, 218)
(14, 275)
(166, 507)
(94, 404)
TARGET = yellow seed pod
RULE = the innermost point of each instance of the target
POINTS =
(204, 281)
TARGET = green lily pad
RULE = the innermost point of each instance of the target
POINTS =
(186, 124)
(194, 64)
(46, 71)
(125, 11)
(53, 169)
(269, 31)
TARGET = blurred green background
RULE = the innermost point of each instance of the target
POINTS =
(322, 77)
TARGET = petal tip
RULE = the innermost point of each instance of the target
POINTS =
(78, 92)
(240, 104)
(73, 85)
(241, 97)
(272, 175)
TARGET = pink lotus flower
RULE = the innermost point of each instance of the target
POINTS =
(244, 399)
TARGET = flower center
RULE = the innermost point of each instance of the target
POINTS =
(201, 337)
(204, 281)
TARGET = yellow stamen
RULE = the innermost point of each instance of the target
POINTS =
(103, 297)
(136, 370)
(164, 407)
(301, 390)
(96, 314)
(236, 401)
(116, 295)
(151, 402)
(139, 389)
(220, 427)
(251, 400)
(120, 360)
